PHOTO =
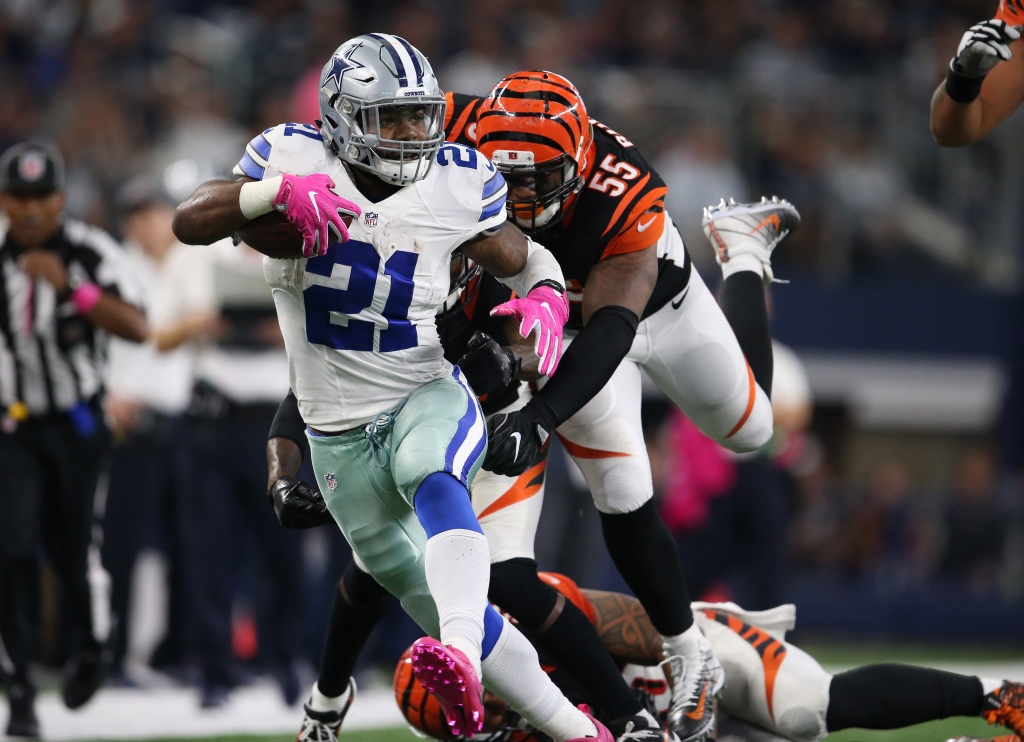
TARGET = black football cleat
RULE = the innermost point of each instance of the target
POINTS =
(23, 722)
(85, 675)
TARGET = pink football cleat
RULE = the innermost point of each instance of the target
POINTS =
(603, 735)
(449, 675)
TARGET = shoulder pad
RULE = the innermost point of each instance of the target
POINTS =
(476, 189)
(282, 148)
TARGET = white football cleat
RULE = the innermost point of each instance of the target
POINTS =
(325, 726)
(744, 235)
(695, 678)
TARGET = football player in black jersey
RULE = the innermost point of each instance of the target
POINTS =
(587, 194)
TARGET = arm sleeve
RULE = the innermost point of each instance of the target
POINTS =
(288, 423)
(587, 365)
(541, 267)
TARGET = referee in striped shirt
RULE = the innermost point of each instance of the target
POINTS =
(63, 287)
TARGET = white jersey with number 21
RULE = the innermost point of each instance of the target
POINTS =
(358, 322)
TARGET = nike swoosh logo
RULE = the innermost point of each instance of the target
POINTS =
(771, 219)
(518, 438)
(640, 227)
(677, 304)
(698, 712)
(312, 197)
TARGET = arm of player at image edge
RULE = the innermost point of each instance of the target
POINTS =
(984, 84)
(296, 503)
(533, 273)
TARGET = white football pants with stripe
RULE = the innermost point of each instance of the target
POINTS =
(690, 352)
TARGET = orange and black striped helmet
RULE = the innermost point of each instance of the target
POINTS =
(534, 127)
(423, 712)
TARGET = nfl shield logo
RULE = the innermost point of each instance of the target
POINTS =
(332, 481)
(370, 219)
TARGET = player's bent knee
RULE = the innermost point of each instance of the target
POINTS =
(800, 724)
(755, 431)
(625, 500)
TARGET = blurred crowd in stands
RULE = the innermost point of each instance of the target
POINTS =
(823, 102)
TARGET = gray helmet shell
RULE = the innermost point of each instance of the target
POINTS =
(364, 75)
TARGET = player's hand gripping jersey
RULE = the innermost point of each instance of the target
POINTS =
(367, 307)
(620, 209)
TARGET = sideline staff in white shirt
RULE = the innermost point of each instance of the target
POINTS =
(148, 394)
(215, 301)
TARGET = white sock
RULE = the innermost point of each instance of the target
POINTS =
(742, 262)
(988, 685)
(512, 672)
(458, 569)
(683, 645)
(319, 702)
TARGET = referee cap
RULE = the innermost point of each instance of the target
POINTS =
(32, 167)
(141, 192)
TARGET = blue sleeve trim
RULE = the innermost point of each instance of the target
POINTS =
(248, 166)
(493, 210)
(261, 146)
(493, 186)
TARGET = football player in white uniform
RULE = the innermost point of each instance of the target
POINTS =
(395, 432)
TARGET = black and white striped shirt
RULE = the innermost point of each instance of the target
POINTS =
(50, 358)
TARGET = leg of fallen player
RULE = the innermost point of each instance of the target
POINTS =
(894, 696)
(564, 634)
(802, 701)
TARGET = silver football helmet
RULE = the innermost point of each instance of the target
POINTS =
(369, 84)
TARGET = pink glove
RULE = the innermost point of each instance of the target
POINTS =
(546, 311)
(311, 205)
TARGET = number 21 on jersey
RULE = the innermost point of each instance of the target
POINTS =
(353, 300)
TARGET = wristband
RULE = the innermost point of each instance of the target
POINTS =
(962, 89)
(257, 198)
(85, 297)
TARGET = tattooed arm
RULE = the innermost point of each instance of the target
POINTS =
(625, 629)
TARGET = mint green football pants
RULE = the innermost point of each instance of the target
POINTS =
(369, 479)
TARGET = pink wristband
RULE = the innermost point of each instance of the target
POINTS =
(85, 297)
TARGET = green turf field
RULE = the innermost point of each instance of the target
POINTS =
(936, 731)
(830, 653)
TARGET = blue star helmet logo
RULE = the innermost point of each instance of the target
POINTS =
(341, 63)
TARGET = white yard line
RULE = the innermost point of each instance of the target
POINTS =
(138, 714)
(129, 713)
